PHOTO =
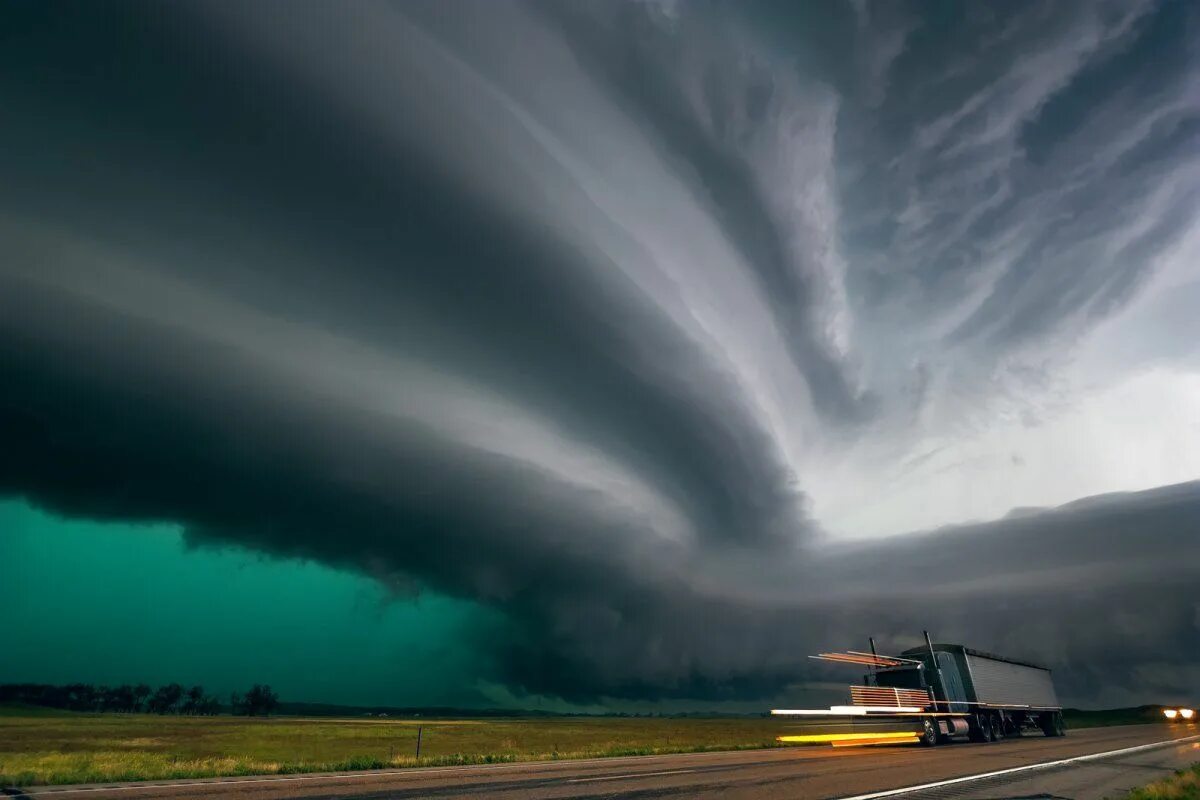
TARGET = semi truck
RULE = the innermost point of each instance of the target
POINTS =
(933, 694)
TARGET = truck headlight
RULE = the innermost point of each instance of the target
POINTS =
(1170, 713)
(1187, 713)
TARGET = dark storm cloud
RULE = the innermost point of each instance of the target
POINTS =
(556, 327)
(497, 303)
(1049, 168)
(723, 108)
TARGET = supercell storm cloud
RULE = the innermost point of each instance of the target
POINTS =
(657, 327)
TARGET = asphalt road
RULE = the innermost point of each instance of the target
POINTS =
(810, 773)
(1109, 777)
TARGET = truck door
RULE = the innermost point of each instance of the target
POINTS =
(952, 681)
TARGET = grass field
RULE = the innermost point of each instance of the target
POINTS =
(43, 747)
(40, 746)
(1183, 785)
(1116, 716)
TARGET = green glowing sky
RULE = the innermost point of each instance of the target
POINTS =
(118, 603)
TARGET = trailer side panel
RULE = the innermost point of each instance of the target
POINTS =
(1005, 683)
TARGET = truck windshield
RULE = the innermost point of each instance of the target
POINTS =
(909, 678)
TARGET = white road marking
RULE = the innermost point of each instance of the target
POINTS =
(630, 775)
(1026, 768)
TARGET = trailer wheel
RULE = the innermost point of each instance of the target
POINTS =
(1052, 724)
(929, 732)
(1018, 727)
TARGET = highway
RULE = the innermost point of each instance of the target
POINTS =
(1133, 756)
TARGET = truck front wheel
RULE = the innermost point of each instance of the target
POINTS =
(929, 732)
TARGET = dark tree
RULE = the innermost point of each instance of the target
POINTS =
(141, 693)
(166, 699)
(259, 701)
(209, 706)
(119, 698)
(192, 700)
(81, 697)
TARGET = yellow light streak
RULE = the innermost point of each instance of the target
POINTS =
(842, 739)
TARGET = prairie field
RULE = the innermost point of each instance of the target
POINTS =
(43, 746)
(47, 747)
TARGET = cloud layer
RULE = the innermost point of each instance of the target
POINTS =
(622, 331)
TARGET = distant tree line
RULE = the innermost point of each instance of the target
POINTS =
(170, 698)
(258, 702)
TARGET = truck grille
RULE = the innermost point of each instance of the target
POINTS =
(888, 696)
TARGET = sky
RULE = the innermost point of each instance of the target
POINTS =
(596, 355)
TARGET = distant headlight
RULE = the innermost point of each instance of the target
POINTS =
(1170, 713)
(1187, 713)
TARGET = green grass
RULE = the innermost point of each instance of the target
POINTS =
(44, 746)
(1116, 716)
(1183, 785)
(40, 747)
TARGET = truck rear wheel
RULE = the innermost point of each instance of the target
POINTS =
(993, 728)
(986, 731)
(977, 728)
(1018, 726)
(1052, 724)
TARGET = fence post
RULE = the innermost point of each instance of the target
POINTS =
(418, 741)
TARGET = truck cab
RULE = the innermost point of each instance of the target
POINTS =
(943, 679)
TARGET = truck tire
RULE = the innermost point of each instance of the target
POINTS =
(986, 734)
(976, 728)
(929, 732)
(993, 728)
(1018, 726)
(1052, 724)
(997, 727)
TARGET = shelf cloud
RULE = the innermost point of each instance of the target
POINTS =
(657, 327)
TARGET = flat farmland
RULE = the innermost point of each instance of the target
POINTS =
(45, 747)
